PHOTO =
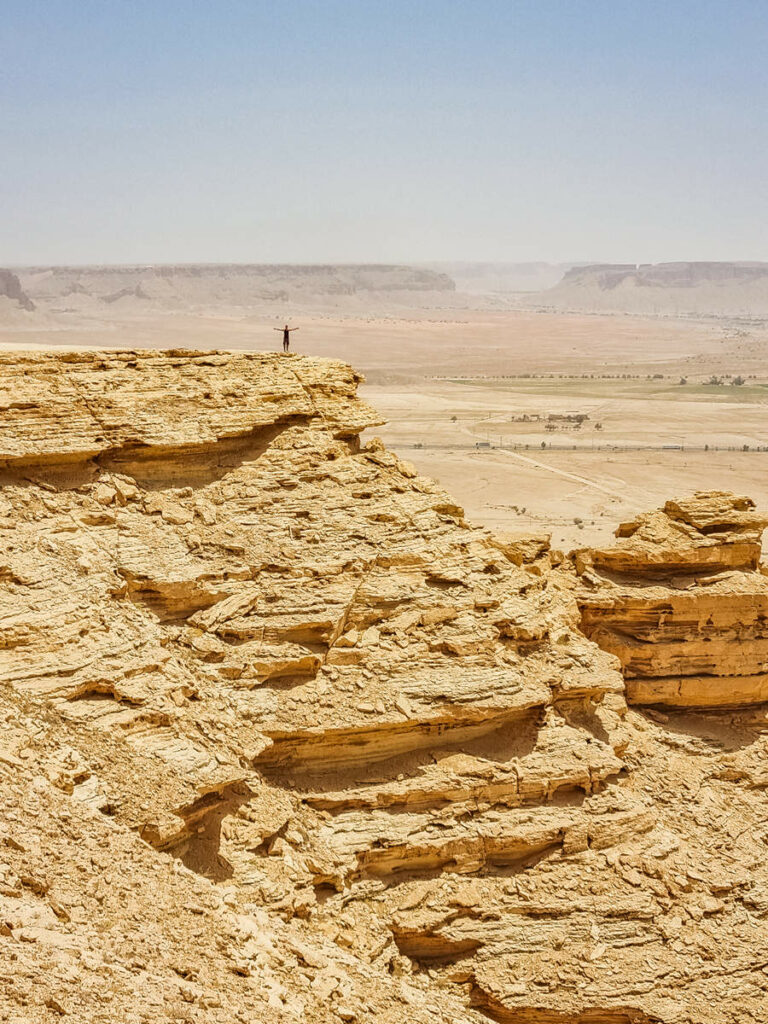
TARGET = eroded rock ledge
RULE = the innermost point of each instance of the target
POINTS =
(682, 602)
(370, 746)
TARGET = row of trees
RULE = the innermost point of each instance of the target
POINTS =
(718, 381)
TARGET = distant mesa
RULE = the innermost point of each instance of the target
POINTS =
(685, 287)
(10, 288)
(180, 286)
(715, 289)
(665, 275)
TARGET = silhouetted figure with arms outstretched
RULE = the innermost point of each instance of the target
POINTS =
(286, 335)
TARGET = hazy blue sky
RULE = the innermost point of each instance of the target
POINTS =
(383, 130)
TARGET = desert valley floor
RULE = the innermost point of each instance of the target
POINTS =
(488, 403)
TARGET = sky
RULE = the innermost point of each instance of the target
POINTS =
(137, 131)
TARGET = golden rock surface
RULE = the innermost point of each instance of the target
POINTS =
(681, 601)
(284, 738)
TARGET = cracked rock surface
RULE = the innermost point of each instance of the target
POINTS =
(285, 738)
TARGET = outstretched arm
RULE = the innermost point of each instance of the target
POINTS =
(294, 328)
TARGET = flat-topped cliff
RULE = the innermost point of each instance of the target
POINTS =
(376, 758)
(112, 290)
(715, 288)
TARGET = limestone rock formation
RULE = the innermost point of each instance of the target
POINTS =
(285, 738)
(681, 602)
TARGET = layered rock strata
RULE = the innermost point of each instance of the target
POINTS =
(191, 286)
(721, 289)
(285, 738)
(681, 601)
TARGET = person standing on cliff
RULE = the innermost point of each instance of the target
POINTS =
(286, 335)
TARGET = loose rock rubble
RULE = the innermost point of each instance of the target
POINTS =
(285, 738)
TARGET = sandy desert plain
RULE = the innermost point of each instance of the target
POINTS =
(449, 380)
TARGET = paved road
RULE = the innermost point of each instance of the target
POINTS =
(683, 449)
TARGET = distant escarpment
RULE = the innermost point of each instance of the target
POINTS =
(192, 286)
(10, 288)
(686, 287)
(285, 738)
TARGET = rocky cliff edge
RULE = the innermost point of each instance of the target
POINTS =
(285, 736)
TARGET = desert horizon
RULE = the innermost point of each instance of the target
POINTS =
(535, 417)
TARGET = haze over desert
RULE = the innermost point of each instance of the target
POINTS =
(475, 388)
(383, 492)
